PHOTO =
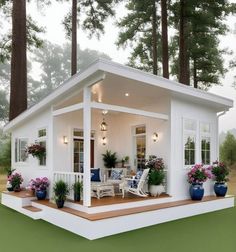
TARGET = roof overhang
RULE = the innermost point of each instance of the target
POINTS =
(97, 72)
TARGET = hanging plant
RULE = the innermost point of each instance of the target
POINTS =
(36, 150)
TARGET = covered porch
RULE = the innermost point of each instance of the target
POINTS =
(134, 113)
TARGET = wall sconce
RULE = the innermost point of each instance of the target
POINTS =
(104, 141)
(154, 137)
(65, 140)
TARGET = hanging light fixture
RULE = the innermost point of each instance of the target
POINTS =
(103, 125)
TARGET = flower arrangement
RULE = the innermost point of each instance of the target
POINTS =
(198, 174)
(156, 173)
(39, 184)
(15, 179)
(36, 150)
(220, 172)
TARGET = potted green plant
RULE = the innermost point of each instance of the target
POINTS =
(156, 176)
(61, 190)
(220, 174)
(109, 159)
(77, 190)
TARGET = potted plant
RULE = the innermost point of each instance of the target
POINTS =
(196, 177)
(220, 174)
(15, 179)
(36, 150)
(77, 190)
(156, 176)
(109, 159)
(9, 173)
(39, 186)
(61, 190)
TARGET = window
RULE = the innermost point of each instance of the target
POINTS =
(190, 128)
(79, 150)
(205, 143)
(42, 140)
(140, 146)
(189, 150)
(20, 149)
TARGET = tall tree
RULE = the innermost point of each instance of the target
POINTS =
(18, 94)
(92, 16)
(228, 149)
(74, 38)
(184, 76)
(140, 29)
(164, 36)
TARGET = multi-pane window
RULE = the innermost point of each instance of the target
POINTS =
(205, 143)
(140, 146)
(190, 127)
(42, 140)
(189, 150)
(20, 149)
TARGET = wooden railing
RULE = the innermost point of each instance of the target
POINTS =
(68, 177)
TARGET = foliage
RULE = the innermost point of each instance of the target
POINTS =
(54, 62)
(39, 184)
(4, 106)
(5, 151)
(198, 174)
(220, 172)
(156, 174)
(61, 190)
(109, 159)
(15, 179)
(36, 150)
(228, 149)
(92, 15)
(136, 31)
(77, 187)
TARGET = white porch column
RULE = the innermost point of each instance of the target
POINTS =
(87, 137)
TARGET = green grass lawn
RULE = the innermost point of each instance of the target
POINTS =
(204, 233)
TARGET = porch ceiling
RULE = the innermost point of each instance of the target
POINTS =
(113, 90)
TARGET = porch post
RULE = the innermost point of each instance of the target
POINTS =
(87, 137)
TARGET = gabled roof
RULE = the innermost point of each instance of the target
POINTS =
(102, 66)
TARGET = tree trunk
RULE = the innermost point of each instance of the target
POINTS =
(74, 38)
(154, 38)
(195, 81)
(18, 89)
(164, 26)
(184, 76)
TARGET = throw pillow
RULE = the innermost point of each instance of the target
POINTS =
(95, 175)
(116, 174)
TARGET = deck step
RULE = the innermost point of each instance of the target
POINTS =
(32, 209)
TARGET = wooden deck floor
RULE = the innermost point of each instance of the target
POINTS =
(119, 200)
(123, 212)
(22, 194)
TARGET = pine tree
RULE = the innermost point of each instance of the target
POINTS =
(96, 13)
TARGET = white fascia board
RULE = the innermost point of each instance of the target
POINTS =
(87, 77)
(68, 109)
(129, 110)
(162, 82)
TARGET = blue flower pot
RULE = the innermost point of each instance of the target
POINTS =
(220, 189)
(196, 191)
(41, 195)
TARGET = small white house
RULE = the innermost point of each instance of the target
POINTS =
(145, 115)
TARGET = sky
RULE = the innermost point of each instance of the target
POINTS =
(51, 19)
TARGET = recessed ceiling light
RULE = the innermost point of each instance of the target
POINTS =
(126, 94)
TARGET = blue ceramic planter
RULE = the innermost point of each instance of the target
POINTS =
(196, 191)
(220, 189)
(41, 195)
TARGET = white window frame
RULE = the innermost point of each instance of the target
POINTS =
(42, 139)
(190, 133)
(17, 150)
(206, 135)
